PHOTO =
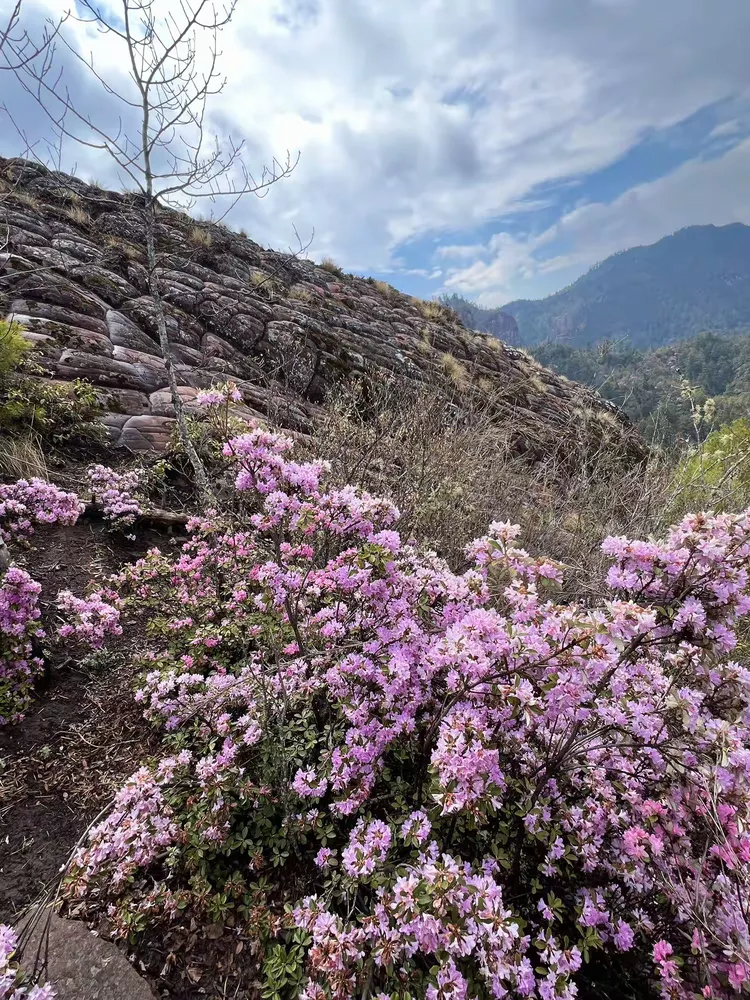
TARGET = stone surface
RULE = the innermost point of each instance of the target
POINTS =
(81, 965)
(285, 329)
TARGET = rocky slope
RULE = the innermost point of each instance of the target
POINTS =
(72, 272)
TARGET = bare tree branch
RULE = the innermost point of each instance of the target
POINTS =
(17, 50)
(159, 142)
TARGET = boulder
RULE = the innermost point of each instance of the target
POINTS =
(146, 433)
(80, 965)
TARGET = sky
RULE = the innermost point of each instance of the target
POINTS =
(493, 148)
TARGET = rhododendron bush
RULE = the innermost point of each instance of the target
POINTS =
(408, 781)
(25, 506)
(15, 984)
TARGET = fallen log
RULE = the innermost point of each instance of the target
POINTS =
(152, 517)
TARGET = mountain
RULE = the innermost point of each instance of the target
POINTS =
(285, 329)
(697, 279)
(496, 322)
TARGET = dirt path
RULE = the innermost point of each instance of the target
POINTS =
(83, 736)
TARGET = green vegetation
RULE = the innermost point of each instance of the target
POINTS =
(676, 394)
(13, 347)
(38, 416)
(716, 475)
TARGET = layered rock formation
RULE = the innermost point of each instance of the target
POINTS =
(72, 271)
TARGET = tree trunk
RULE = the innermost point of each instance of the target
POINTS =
(199, 471)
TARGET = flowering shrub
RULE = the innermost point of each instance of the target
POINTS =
(116, 494)
(89, 619)
(14, 984)
(24, 505)
(19, 628)
(28, 502)
(219, 395)
(405, 781)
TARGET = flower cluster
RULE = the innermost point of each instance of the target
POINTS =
(19, 631)
(219, 395)
(116, 493)
(482, 787)
(89, 619)
(14, 984)
(31, 502)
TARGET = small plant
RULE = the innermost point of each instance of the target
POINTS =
(28, 199)
(300, 294)
(199, 236)
(56, 414)
(129, 249)
(20, 634)
(24, 506)
(330, 265)
(116, 493)
(89, 620)
(455, 370)
(431, 310)
(13, 347)
(451, 785)
(27, 503)
(386, 290)
(79, 215)
(266, 284)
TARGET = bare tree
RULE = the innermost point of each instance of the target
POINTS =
(18, 50)
(159, 142)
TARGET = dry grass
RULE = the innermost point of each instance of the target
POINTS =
(455, 371)
(129, 249)
(300, 294)
(386, 290)
(437, 312)
(330, 265)
(449, 469)
(430, 310)
(538, 383)
(266, 285)
(200, 237)
(78, 215)
(26, 198)
(21, 457)
(493, 344)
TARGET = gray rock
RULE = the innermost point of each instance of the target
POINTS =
(284, 328)
(106, 284)
(160, 403)
(146, 433)
(58, 314)
(82, 966)
(124, 333)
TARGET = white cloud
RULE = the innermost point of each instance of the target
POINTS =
(697, 193)
(434, 116)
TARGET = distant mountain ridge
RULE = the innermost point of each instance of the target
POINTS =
(697, 279)
(496, 322)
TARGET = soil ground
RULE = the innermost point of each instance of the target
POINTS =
(80, 739)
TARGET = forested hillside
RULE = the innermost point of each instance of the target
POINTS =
(697, 279)
(674, 393)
